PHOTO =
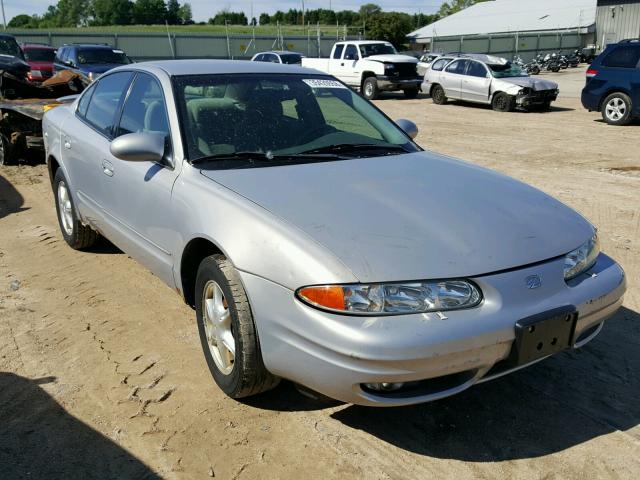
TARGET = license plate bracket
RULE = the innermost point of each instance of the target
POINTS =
(543, 334)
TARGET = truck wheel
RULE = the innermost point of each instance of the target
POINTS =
(411, 92)
(7, 152)
(227, 331)
(438, 96)
(370, 88)
(77, 235)
(616, 109)
(502, 102)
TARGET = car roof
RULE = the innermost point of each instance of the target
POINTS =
(365, 42)
(90, 46)
(33, 46)
(217, 67)
(280, 52)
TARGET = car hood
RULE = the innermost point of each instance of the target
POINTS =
(414, 216)
(392, 58)
(530, 82)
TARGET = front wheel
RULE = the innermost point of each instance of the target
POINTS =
(411, 92)
(370, 89)
(227, 331)
(77, 235)
(616, 109)
(503, 102)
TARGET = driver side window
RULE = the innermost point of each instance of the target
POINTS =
(351, 53)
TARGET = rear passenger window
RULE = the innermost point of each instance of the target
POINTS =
(84, 100)
(351, 53)
(438, 65)
(623, 57)
(106, 100)
(337, 53)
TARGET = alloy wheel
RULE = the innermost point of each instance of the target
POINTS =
(217, 326)
(64, 207)
(616, 109)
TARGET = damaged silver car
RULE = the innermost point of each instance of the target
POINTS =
(489, 80)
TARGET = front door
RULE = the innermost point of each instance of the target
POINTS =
(476, 83)
(137, 195)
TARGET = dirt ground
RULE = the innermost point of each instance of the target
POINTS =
(102, 376)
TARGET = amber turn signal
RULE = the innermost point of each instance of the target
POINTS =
(331, 297)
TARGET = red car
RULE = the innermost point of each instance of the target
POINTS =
(40, 59)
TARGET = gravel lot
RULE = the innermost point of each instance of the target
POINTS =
(101, 373)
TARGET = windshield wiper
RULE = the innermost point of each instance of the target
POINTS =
(358, 147)
(262, 157)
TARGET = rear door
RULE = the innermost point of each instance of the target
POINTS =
(476, 83)
(451, 78)
(86, 139)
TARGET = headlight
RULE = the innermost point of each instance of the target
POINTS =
(389, 66)
(582, 258)
(393, 298)
(91, 76)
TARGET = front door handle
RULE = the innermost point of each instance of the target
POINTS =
(342, 64)
(107, 168)
(67, 144)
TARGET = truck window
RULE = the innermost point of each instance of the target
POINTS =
(337, 52)
(351, 53)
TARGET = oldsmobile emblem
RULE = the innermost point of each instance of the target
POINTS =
(533, 282)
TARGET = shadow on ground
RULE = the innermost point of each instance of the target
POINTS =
(554, 405)
(39, 439)
(10, 199)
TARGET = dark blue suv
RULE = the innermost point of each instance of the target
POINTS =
(613, 83)
(90, 60)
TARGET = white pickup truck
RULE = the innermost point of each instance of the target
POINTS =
(371, 66)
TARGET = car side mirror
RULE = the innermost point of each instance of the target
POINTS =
(139, 147)
(408, 127)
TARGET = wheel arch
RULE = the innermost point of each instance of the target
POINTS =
(434, 85)
(366, 74)
(52, 166)
(612, 91)
(196, 250)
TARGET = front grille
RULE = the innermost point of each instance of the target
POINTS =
(543, 94)
(406, 70)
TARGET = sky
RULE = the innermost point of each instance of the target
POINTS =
(204, 9)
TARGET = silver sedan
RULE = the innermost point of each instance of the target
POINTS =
(315, 240)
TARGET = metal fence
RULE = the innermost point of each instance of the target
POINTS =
(508, 45)
(156, 46)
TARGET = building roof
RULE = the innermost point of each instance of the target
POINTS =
(504, 16)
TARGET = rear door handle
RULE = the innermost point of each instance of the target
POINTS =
(107, 168)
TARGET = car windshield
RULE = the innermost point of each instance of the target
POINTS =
(102, 55)
(291, 58)
(273, 116)
(40, 54)
(369, 49)
(8, 46)
(507, 71)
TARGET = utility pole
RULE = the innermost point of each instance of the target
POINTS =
(4, 19)
(302, 12)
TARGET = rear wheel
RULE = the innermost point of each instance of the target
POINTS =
(370, 89)
(77, 235)
(438, 96)
(411, 92)
(503, 102)
(227, 331)
(616, 109)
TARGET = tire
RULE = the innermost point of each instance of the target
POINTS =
(535, 71)
(438, 96)
(8, 154)
(411, 92)
(241, 372)
(370, 89)
(77, 235)
(616, 109)
(502, 102)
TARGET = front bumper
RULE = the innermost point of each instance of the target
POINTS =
(335, 355)
(389, 83)
(534, 97)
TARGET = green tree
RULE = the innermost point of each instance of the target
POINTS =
(24, 21)
(149, 12)
(173, 12)
(227, 16)
(186, 17)
(265, 19)
(390, 26)
(455, 6)
(368, 10)
(112, 12)
(72, 13)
